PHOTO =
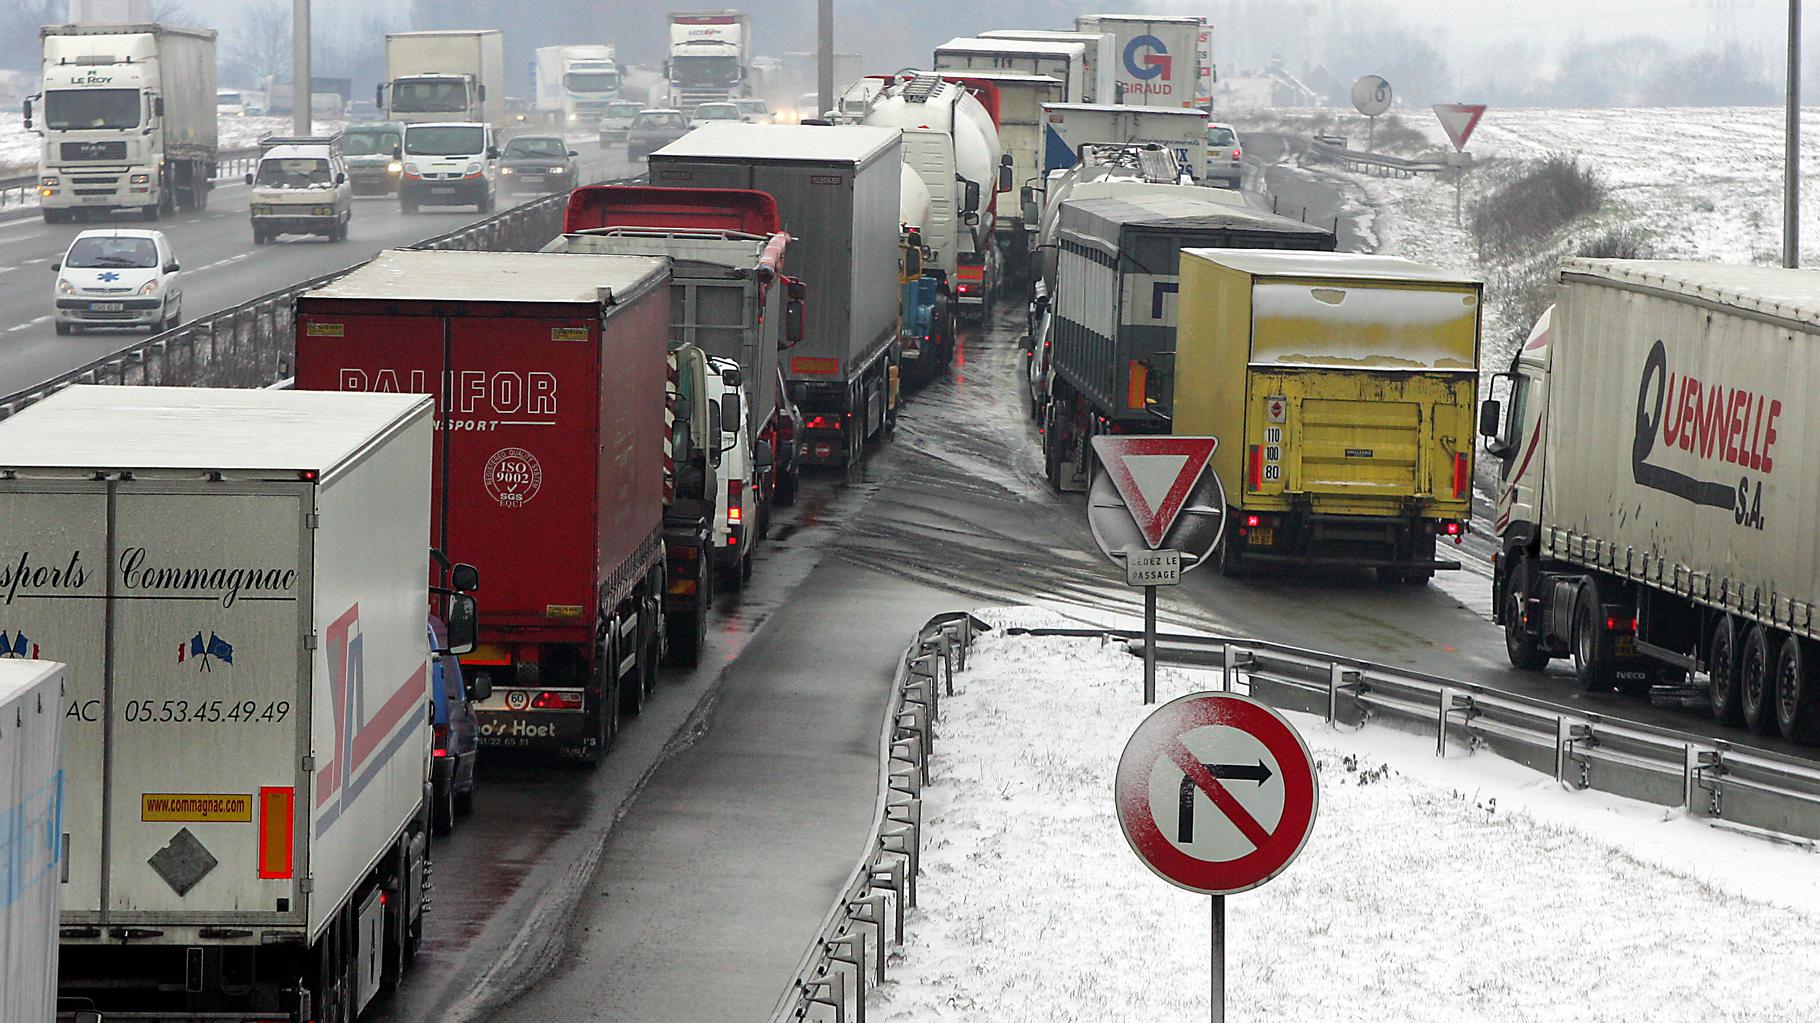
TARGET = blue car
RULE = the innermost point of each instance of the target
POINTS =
(456, 740)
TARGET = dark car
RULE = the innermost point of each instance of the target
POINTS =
(536, 165)
(652, 130)
(455, 743)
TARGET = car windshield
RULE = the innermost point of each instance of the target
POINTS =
(293, 173)
(754, 106)
(431, 97)
(369, 143)
(445, 140)
(623, 110)
(1217, 136)
(591, 81)
(71, 109)
(553, 148)
(717, 112)
(661, 119)
(100, 252)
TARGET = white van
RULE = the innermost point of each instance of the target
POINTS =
(738, 515)
(449, 164)
(301, 187)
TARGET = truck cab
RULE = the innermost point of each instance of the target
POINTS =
(301, 186)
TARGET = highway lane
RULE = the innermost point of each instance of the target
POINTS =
(221, 266)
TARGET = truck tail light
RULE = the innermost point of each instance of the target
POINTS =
(439, 740)
(964, 289)
(276, 820)
(1253, 520)
(1137, 377)
(1461, 475)
(822, 423)
(556, 701)
(1451, 528)
(735, 513)
(1619, 623)
(1254, 477)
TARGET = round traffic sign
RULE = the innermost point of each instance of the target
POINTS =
(1195, 532)
(1371, 95)
(1216, 793)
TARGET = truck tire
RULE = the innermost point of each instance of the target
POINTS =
(786, 488)
(1232, 563)
(149, 214)
(1757, 680)
(1519, 645)
(1723, 660)
(1795, 689)
(606, 707)
(1591, 670)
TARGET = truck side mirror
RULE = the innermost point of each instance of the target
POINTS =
(480, 93)
(341, 178)
(249, 177)
(492, 152)
(762, 457)
(682, 409)
(1004, 173)
(397, 152)
(379, 96)
(1491, 415)
(86, 1015)
(463, 621)
(730, 417)
(913, 262)
(465, 578)
(480, 687)
(158, 106)
(972, 201)
(714, 432)
(796, 320)
(28, 111)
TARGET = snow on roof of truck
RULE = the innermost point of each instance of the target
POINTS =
(1179, 209)
(1032, 47)
(200, 428)
(1356, 266)
(430, 275)
(840, 143)
(1159, 19)
(17, 679)
(1113, 108)
(999, 74)
(1771, 290)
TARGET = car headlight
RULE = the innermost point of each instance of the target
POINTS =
(150, 287)
(473, 168)
(410, 168)
(64, 287)
(559, 170)
(394, 167)
(502, 170)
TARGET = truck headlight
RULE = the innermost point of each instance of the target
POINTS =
(140, 179)
(149, 287)
(48, 182)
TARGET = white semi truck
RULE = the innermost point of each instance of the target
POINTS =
(31, 829)
(127, 113)
(457, 75)
(1655, 487)
(1098, 59)
(1156, 59)
(575, 84)
(238, 580)
(710, 54)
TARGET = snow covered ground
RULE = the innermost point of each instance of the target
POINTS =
(1471, 889)
(19, 148)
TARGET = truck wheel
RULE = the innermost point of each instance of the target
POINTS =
(54, 217)
(1232, 563)
(687, 632)
(1594, 673)
(1795, 690)
(786, 489)
(1722, 671)
(149, 214)
(1757, 681)
(1521, 647)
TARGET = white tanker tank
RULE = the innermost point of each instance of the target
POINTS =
(913, 200)
(948, 135)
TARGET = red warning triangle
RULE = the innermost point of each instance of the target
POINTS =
(1459, 119)
(1154, 476)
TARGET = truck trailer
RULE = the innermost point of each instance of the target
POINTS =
(457, 75)
(31, 846)
(1342, 388)
(837, 190)
(1115, 311)
(1069, 126)
(549, 376)
(1157, 58)
(1654, 511)
(1097, 60)
(127, 114)
(238, 580)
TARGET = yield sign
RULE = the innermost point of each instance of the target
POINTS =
(1154, 476)
(1216, 793)
(1459, 119)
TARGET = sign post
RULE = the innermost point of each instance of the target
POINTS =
(1458, 120)
(1371, 96)
(1216, 793)
(1160, 511)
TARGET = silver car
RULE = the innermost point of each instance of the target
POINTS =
(1224, 154)
(615, 121)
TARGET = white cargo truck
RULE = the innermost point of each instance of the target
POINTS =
(1156, 58)
(457, 75)
(1066, 61)
(1099, 59)
(1656, 489)
(31, 829)
(709, 57)
(238, 581)
(576, 84)
(1069, 126)
(127, 114)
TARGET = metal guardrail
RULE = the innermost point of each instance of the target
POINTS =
(252, 344)
(1711, 778)
(232, 163)
(831, 978)
(1381, 164)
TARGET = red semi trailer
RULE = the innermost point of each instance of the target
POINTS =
(549, 372)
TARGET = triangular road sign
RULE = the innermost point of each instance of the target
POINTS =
(1459, 119)
(1154, 476)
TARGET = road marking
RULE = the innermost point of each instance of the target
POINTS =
(28, 323)
(34, 262)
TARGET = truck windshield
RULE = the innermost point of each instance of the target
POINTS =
(431, 96)
(591, 81)
(699, 71)
(445, 140)
(369, 143)
(73, 109)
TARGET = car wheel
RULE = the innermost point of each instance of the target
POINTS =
(63, 328)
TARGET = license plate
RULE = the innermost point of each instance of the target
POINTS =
(106, 307)
(1264, 536)
(1627, 646)
(95, 200)
(442, 191)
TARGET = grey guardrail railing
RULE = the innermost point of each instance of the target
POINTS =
(868, 913)
(1318, 149)
(1711, 778)
(252, 344)
(229, 163)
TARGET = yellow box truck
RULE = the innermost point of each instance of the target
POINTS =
(1342, 389)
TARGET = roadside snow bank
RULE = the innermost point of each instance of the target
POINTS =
(1430, 890)
(19, 147)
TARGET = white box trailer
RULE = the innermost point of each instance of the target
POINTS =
(238, 580)
(1099, 58)
(1156, 57)
(1657, 492)
(456, 75)
(1064, 60)
(31, 830)
(1069, 126)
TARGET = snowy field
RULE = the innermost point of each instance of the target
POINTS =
(19, 148)
(1467, 890)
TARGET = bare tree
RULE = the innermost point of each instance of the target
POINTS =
(19, 30)
(259, 45)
